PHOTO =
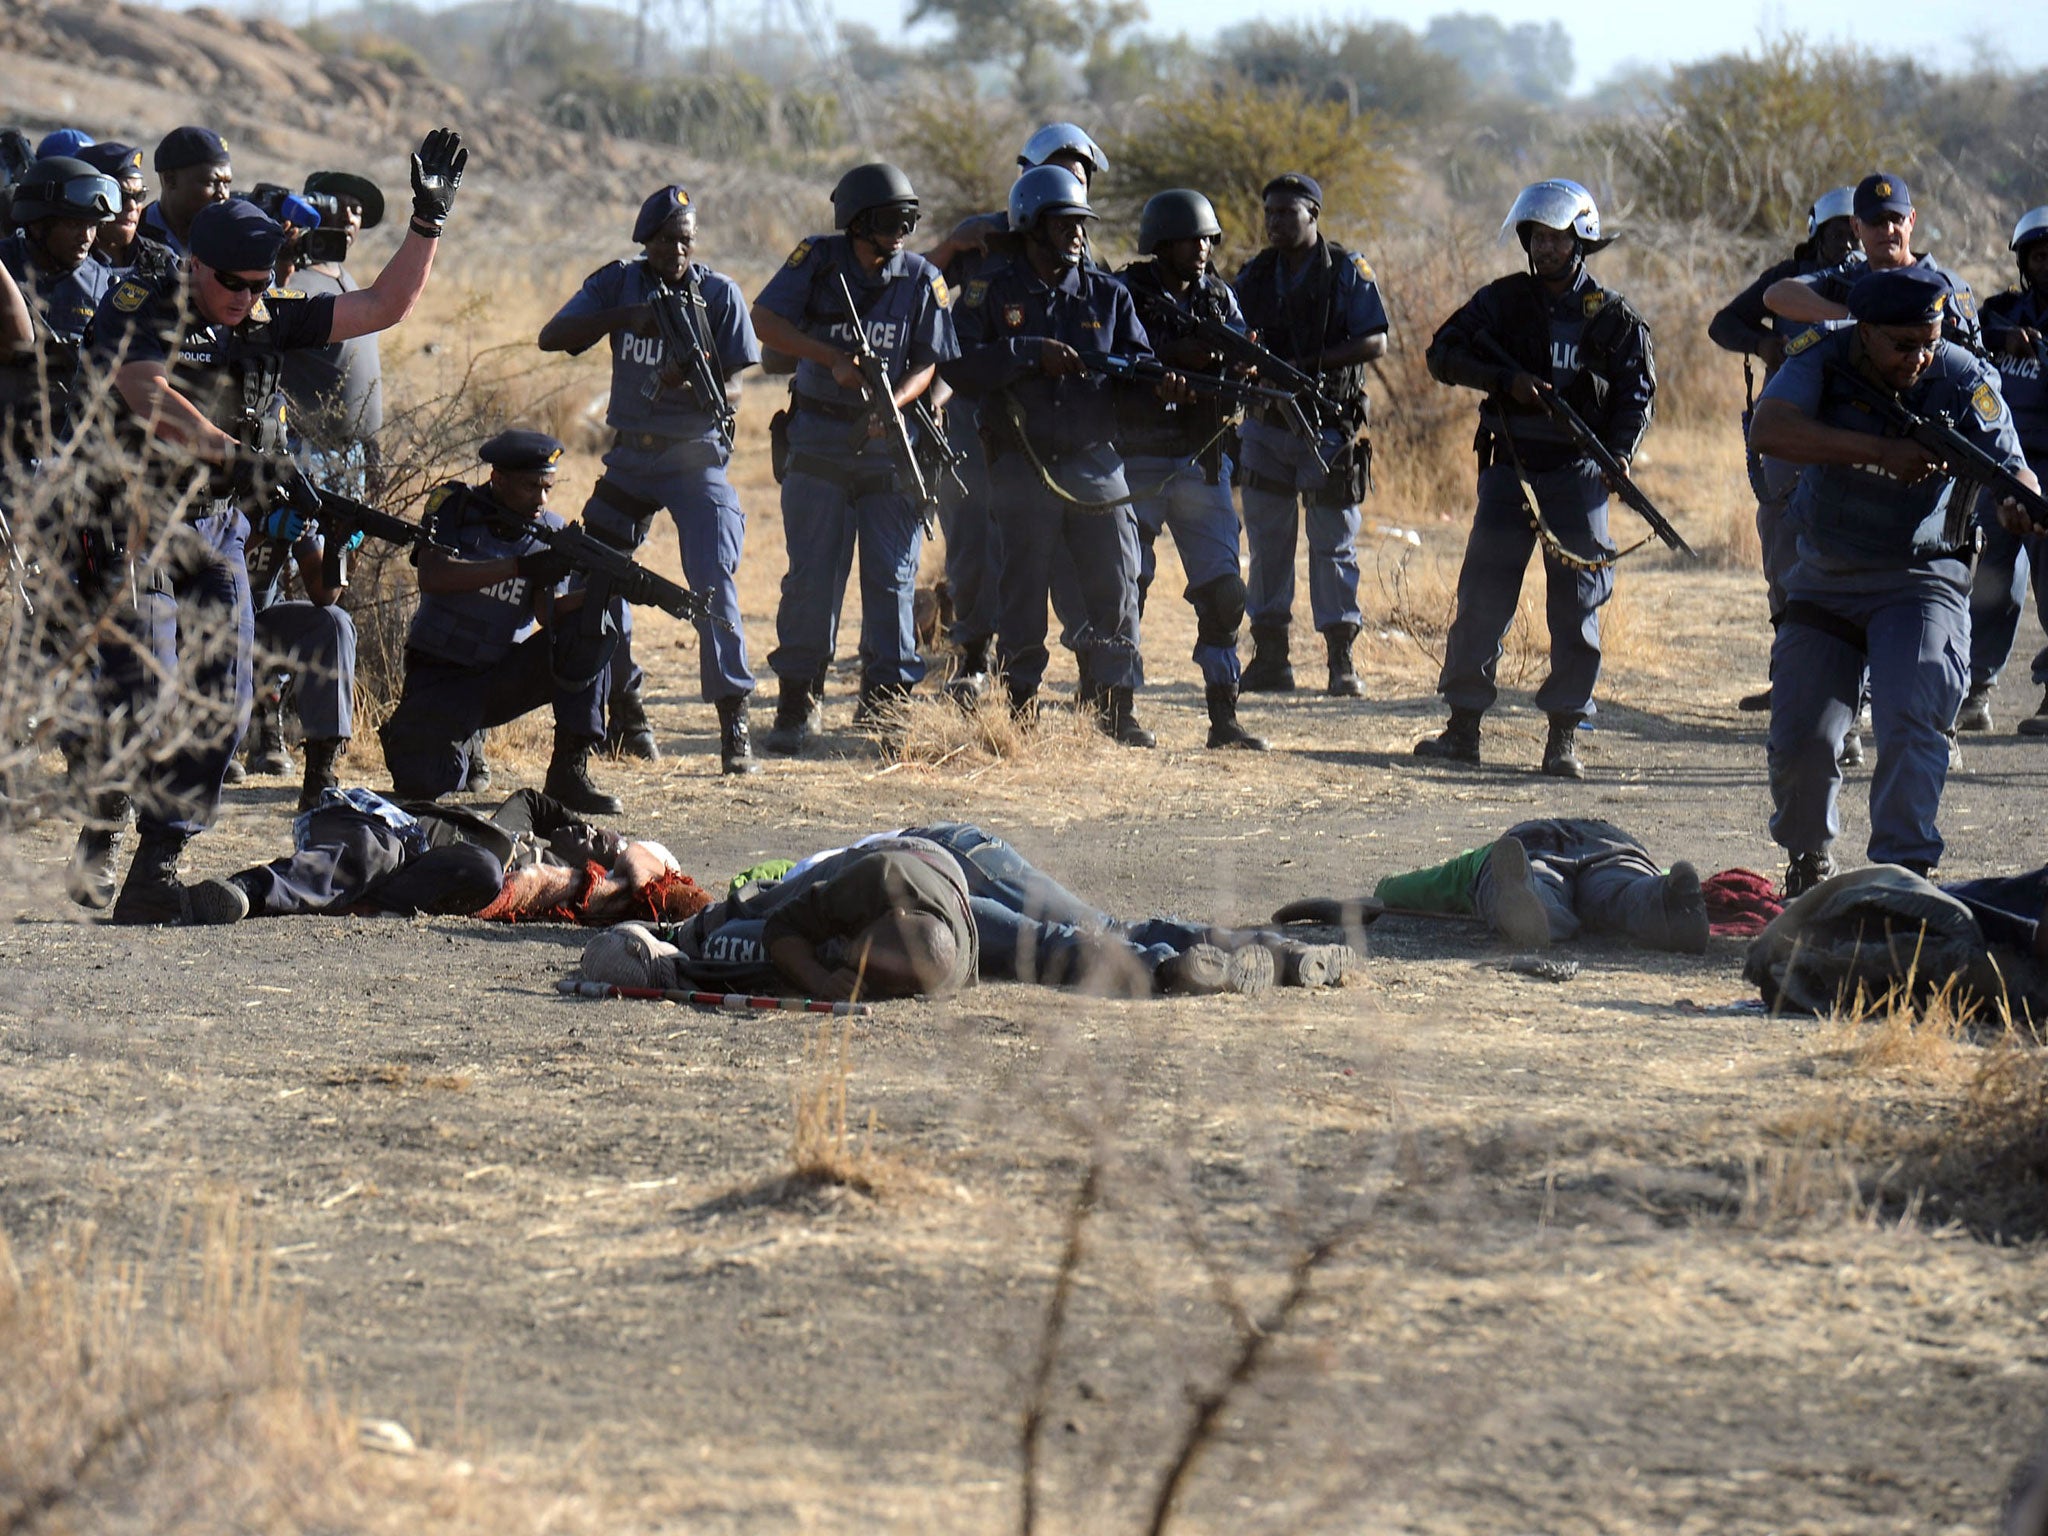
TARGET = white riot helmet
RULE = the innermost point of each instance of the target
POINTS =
(1556, 204)
(1056, 137)
(2033, 225)
(1838, 204)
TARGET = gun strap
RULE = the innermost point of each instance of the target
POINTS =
(1015, 413)
(1553, 546)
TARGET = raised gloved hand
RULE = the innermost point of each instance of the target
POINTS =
(436, 177)
(546, 567)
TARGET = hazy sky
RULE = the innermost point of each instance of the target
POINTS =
(1607, 34)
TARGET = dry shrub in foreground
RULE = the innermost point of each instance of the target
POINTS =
(1887, 1034)
(174, 1397)
(819, 1150)
(934, 732)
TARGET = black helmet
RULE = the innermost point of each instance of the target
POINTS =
(877, 185)
(1176, 215)
(59, 187)
(1042, 190)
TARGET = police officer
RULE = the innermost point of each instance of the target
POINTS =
(474, 657)
(1568, 334)
(670, 452)
(59, 204)
(841, 475)
(1882, 211)
(314, 638)
(193, 168)
(973, 243)
(1174, 454)
(1745, 325)
(1881, 579)
(1058, 479)
(120, 243)
(1318, 306)
(194, 357)
(2013, 325)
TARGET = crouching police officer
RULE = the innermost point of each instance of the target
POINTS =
(1566, 334)
(1881, 579)
(1050, 423)
(671, 451)
(1318, 306)
(194, 356)
(1173, 454)
(467, 667)
(841, 480)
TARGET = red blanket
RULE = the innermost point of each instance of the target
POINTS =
(1740, 902)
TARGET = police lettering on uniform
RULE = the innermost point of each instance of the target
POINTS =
(499, 633)
(1568, 334)
(1318, 306)
(194, 356)
(59, 204)
(2014, 322)
(1174, 454)
(1050, 423)
(842, 485)
(670, 452)
(1746, 325)
(194, 169)
(1881, 579)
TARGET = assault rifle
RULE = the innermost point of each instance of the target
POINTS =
(613, 573)
(1953, 454)
(1149, 370)
(344, 522)
(684, 324)
(1306, 410)
(874, 374)
(1553, 405)
(939, 454)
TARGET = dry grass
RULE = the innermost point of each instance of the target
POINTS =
(174, 1396)
(820, 1150)
(1893, 1034)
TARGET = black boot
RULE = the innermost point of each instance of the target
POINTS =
(798, 713)
(1805, 871)
(1561, 749)
(1270, 671)
(267, 752)
(1120, 721)
(1224, 731)
(479, 778)
(320, 760)
(627, 733)
(970, 674)
(735, 741)
(89, 879)
(151, 894)
(1088, 694)
(1344, 683)
(1975, 715)
(568, 778)
(1457, 742)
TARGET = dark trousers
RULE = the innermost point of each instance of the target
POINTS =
(1032, 525)
(348, 859)
(427, 738)
(319, 645)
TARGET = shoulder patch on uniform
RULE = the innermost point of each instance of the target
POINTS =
(259, 313)
(977, 290)
(129, 296)
(941, 292)
(1362, 267)
(1593, 303)
(1985, 402)
(1802, 341)
(285, 293)
(438, 495)
(800, 255)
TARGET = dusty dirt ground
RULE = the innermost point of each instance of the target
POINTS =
(1612, 1264)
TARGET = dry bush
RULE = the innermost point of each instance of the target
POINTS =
(173, 1396)
(820, 1152)
(960, 152)
(1887, 1034)
(931, 733)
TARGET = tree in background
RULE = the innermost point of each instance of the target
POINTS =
(1035, 41)
(1528, 60)
(1378, 66)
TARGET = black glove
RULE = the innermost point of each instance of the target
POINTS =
(436, 177)
(546, 567)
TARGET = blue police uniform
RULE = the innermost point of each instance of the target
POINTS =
(1180, 480)
(668, 454)
(63, 304)
(478, 659)
(1590, 346)
(152, 225)
(842, 482)
(230, 374)
(1067, 429)
(1998, 586)
(1876, 581)
(1959, 321)
(1332, 299)
(964, 519)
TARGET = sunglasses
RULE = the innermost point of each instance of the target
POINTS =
(234, 282)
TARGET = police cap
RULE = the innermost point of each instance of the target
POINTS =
(189, 146)
(657, 211)
(1880, 193)
(875, 185)
(123, 162)
(60, 187)
(361, 188)
(235, 236)
(521, 452)
(62, 141)
(1179, 214)
(1900, 296)
(1295, 184)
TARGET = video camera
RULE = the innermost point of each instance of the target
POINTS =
(325, 241)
